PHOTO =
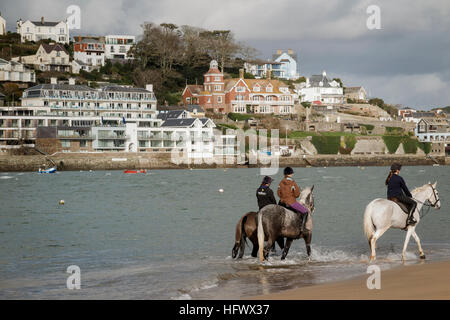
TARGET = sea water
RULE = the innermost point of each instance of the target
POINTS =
(168, 234)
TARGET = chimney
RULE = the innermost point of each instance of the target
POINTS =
(324, 74)
(279, 51)
(53, 80)
(149, 87)
(241, 73)
(71, 81)
(269, 74)
(290, 52)
(42, 20)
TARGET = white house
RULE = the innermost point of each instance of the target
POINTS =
(320, 90)
(261, 68)
(2, 25)
(89, 51)
(11, 71)
(288, 69)
(118, 46)
(42, 30)
(49, 57)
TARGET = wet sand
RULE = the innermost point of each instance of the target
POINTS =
(429, 280)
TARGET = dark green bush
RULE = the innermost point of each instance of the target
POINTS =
(392, 142)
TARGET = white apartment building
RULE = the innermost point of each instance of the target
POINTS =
(320, 90)
(11, 71)
(118, 46)
(41, 30)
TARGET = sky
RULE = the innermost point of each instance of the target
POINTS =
(405, 61)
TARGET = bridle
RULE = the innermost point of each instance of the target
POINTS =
(435, 197)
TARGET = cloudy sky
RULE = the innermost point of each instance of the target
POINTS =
(405, 62)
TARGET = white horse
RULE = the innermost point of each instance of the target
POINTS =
(382, 214)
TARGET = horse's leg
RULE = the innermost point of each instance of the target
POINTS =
(405, 245)
(268, 247)
(416, 237)
(307, 239)
(286, 248)
(280, 241)
(373, 241)
(255, 249)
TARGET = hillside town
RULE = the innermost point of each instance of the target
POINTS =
(56, 99)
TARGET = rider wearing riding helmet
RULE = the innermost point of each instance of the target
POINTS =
(288, 191)
(396, 188)
(264, 194)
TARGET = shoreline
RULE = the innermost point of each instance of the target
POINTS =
(123, 161)
(424, 281)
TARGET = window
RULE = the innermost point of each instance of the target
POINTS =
(257, 88)
(216, 78)
(219, 100)
(269, 89)
(217, 88)
(240, 89)
(65, 143)
(83, 144)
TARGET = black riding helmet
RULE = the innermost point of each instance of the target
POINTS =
(288, 171)
(396, 166)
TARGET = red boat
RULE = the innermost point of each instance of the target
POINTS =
(136, 171)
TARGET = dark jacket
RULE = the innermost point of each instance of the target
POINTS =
(397, 186)
(265, 196)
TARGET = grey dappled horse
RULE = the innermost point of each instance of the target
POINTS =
(275, 221)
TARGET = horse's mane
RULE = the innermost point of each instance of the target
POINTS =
(421, 188)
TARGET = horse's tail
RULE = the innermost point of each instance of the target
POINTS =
(239, 244)
(260, 237)
(369, 228)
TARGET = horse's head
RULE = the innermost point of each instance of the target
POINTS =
(433, 199)
(307, 197)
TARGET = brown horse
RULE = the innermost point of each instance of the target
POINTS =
(247, 228)
(275, 221)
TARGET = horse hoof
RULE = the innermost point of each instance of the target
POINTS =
(422, 257)
(372, 258)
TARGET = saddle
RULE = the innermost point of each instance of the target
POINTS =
(284, 205)
(400, 204)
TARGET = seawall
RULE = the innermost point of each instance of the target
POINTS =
(122, 161)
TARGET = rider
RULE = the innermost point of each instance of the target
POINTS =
(264, 194)
(288, 191)
(396, 188)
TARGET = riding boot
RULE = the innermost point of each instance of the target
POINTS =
(305, 217)
(411, 220)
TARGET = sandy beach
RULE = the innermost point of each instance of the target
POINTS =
(428, 281)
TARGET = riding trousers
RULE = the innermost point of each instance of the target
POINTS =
(299, 207)
(410, 203)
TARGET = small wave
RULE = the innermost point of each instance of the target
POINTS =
(6, 177)
(183, 296)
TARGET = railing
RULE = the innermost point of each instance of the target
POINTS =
(78, 137)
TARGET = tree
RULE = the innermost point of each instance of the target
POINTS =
(339, 81)
(220, 46)
(161, 45)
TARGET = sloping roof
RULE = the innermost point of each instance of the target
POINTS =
(192, 107)
(45, 24)
(352, 89)
(54, 47)
(316, 79)
(185, 122)
(263, 83)
(173, 114)
(117, 88)
(194, 88)
(48, 86)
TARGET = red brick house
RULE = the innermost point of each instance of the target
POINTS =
(239, 94)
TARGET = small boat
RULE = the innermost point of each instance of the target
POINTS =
(51, 170)
(136, 171)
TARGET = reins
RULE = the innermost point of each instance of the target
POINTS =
(427, 203)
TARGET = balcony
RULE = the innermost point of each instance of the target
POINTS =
(113, 137)
(77, 137)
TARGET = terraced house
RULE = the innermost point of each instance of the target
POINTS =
(239, 94)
